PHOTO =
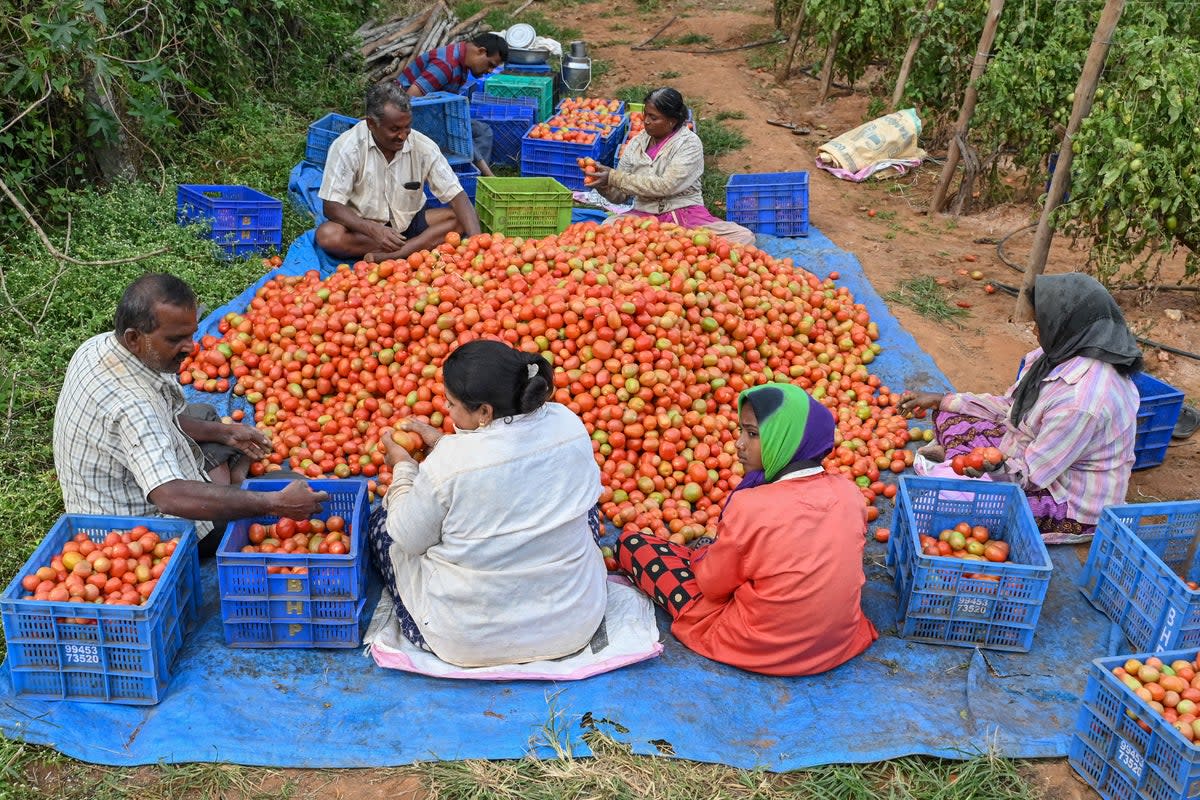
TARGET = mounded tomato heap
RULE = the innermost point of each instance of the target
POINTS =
(122, 570)
(314, 536)
(1173, 691)
(653, 331)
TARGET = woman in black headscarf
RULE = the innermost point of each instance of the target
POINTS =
(1066, 428)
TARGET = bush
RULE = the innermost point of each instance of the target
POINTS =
(106, 86)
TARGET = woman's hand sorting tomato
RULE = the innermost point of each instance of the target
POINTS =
(915, 404)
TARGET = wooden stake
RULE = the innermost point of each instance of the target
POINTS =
(1085, 92)
(909, 56)
(827, 68)
(785, 70)
(970, 97)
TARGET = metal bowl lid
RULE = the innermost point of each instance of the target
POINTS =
(520, 35)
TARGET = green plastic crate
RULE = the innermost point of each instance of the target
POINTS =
(541, 87)
(528, 207)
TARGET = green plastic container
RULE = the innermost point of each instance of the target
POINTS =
(539, 86)
(527, 207)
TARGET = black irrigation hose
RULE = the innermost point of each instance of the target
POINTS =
(1013, 290)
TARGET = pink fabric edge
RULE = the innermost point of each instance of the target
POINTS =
(402, 662)
(900, 165)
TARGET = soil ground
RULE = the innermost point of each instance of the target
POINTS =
(903, 240)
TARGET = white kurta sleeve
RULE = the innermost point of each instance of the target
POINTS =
(414, 512)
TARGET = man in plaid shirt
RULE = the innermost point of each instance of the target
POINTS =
(127, 444)
(447, 68)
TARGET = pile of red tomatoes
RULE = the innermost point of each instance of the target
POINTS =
(653, 331)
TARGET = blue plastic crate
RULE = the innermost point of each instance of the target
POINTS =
(775, 203)
(1157, 416)
(322, 133)
(444, 118)
(549, 159)
(127, 654)
(1119, 757)
(468, 176)
(1133, 573)
(264, 609)
(509, 118)
(612, 143)
(241, 220)
(946, 600)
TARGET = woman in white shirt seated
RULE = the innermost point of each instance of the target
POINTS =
(488, 547)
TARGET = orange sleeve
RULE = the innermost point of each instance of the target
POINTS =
(722, 567)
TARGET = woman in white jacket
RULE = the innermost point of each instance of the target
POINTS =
(660, 172)
(488, 548)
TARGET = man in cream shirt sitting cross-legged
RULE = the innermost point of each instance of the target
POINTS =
(373, 187)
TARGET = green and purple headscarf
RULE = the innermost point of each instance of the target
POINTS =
(795, 431)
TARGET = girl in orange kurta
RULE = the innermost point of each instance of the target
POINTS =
(779, 591)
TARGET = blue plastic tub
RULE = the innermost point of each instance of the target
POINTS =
(1121, 759)
(322, 133)
(1157, 416)
(468, 176)
(1133, 573)
(320, 608)
(774, 203)
(550, 159)
(509, 118)
(444, 118)
(241, 220)
(124, 654)
(946, 600)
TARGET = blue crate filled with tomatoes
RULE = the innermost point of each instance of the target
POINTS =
(549, 152)
(1137, 731)
(100, 610)
(970, 567)
(605, 117)
(1143, 572)
(296, 583)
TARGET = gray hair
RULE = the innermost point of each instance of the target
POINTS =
(388, 93)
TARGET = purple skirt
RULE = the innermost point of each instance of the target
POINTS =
(962, 433)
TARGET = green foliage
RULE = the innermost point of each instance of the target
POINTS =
(1134, 184)
(1135, 178)
(104, 85)
(50, 307)
(868, 29)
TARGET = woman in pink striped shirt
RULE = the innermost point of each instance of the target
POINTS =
(1067, 426)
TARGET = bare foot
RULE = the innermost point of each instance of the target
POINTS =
(933, 452)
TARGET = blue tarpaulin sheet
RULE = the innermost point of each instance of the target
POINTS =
(898, 698)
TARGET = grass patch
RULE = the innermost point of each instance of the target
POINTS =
(600, 68)
(924, 296)
(719, 138)
(689, 39)
(634, 94)
(724, 115)
(669, 74)
(29, 772)
(768, 57)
